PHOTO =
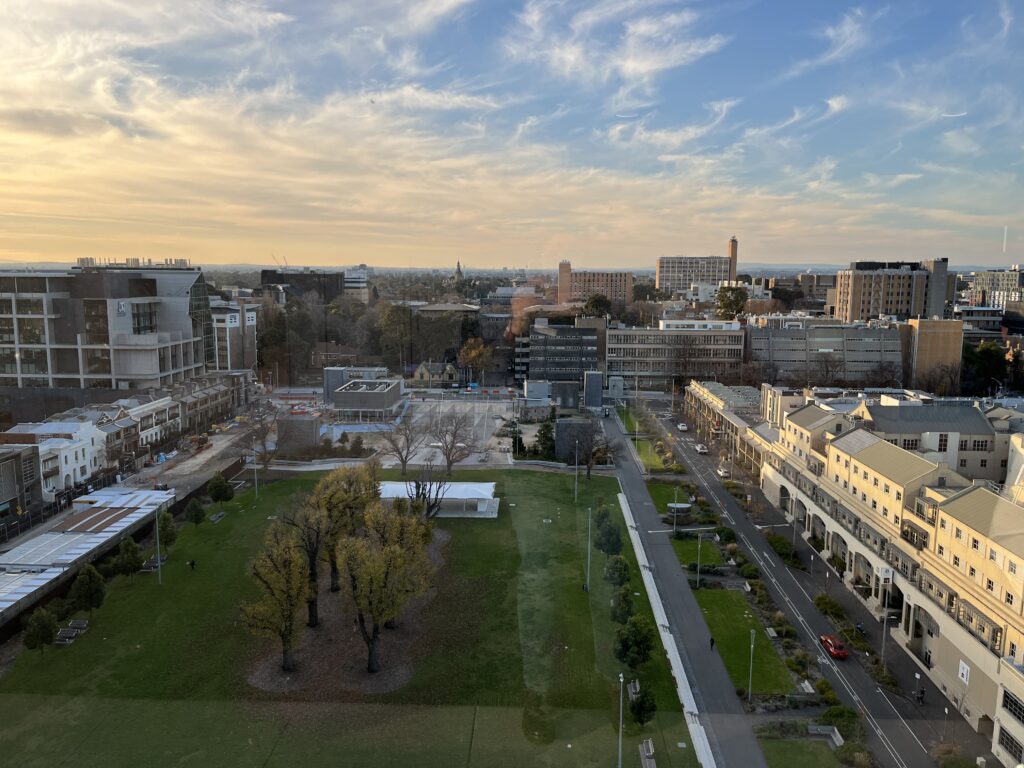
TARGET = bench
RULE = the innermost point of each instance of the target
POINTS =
(79, 625)
(65, 636)
(647, 754)
(633, 688)
(217, 517)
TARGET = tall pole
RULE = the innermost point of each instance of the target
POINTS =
(156, 525)
(576, 481)
(750, 677)
(586, 586)
(945, 716)
(700, 536)
(621, 680)
(255, 472)
(885, 624)
(675, 511)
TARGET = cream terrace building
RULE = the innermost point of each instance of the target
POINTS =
(943, 555)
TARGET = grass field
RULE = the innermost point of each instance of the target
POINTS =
(663, 494)
(650, 459)
(628, 419)
(730, 620)
(686, 551)
(787, 753)
(160, 678)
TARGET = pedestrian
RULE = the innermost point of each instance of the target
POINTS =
(712, 643)
(192, 564)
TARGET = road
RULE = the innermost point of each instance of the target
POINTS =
(892, 740)
(728, 727)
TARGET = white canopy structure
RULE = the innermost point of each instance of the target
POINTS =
(457, 499)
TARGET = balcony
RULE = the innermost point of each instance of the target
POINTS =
(914, 535)
(937, 590)
(985, 630)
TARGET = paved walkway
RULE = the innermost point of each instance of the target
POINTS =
(728, 728)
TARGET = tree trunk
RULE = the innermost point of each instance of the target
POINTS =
(335, 575)
(314, 612)
(287, 658)
(373, 660)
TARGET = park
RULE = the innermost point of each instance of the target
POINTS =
(505, 661)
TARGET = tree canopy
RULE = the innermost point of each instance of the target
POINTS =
(40, 630)
(634, 642)
(597, 305)
(88, 590)
(730, 302)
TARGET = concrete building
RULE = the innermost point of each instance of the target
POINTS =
(234, 334)
(338, 376)
(573, 438)
(676, 274)
(579, 286)
(376, 400)
(996, 287)
(676, 349)
(121, 326)
(324, 284)
(815, 286)
(932, 346)
(560, 352)
(871, 289)
(593, 389)
(980, 323)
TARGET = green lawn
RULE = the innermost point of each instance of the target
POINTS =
(160, 677)
(787, 753)
(650, 459)
(686, 551)
(730, 619)
(629, 421)
(663, 494)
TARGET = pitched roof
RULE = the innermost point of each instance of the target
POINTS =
(810, 416)
(886, 459)
(894, 419)
(990, 515)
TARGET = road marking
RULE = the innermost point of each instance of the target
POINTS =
(901, 719)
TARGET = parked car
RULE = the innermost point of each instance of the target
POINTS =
(701, 449)
(682, 427)
(834, 647)
(722, 472)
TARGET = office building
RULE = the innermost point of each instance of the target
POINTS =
(871, 289)
(652, 358)
(996, 287)
(324, 286)
(234, 333)
(815, 286)
(679, 273)
(559, 352)
(368, 400)
(579, 286)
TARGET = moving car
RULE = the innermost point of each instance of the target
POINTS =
(682, 427)
(722, 472)
(701, 449)
(834, 647)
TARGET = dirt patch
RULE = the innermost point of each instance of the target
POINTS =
(331, 659)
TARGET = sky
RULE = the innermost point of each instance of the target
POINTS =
(417, 133)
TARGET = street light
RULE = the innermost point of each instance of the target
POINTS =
(621, 680)
(700, 537)
(586, 585)
(255, 473)
(750, 677)
(576, 466)
(945, 717)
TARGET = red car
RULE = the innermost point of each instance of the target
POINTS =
(834, 647)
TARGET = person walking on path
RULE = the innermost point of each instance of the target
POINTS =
(712, 643)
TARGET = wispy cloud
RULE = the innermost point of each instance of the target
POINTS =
(668, 139)
(850, 35)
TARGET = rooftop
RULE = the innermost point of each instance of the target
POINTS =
(810, 416)
(990, 515)
(368, 385)
(965, 419)
(874, 453)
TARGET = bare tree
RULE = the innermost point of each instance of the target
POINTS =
(264, 417)
(828, 367)
(404, 440)
(428, 492)
(312, 527)
(454, 434)
(885, 374)
(943, 379)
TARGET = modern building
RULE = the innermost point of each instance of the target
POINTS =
(234, 332)
(933, 346)
(652, 358)
(121, 326)
(579, 286)
(675, 274)
(816, 286)
(560, 352)
(980, 323)
(368, 400)
(338, 376)
(996, 287)
(324, 285)
(871, 289)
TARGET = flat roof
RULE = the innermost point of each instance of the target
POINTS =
(368, 385)
(390, 489)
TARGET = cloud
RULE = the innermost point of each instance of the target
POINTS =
(851, 34)
(1005, 18)
(667, 139)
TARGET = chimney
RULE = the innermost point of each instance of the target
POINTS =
(734, 248)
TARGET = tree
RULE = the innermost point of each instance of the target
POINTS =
(622, 604)
(129, 558)
(453, 431)
(608, 539)
(942, 379)
(384, 568)
(402, 442)
(263, 419)
(616, 570)
(427, 492)
(280, 571)
(168, 531)
(730, 302)
(643, 706)
(40, 630)
(634, 641)
(828, 368)
(646, 292)
(597, 305)
(195, 512)
(310, 525)
(88, 590)
(545, 441)
(476, 356)
(220, 489)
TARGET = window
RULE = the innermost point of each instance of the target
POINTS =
(983, 463)
(875, 482)
(896, 519)
(1002, 464)
(972, 571)
(942, 523)
(979, 445)
(1008, 598)
(837, 478)
(1015, 707)
(1012, 567)
(846, 464)
(974, 544)
(943, 442)
(854, 490)
(963, 463)
(963, 445)
(899, 496)
(864, 475)
(885, 512)
(956, 561)
(942, 550)
(959, 534)
(992, 555)
(1013, 651)
(911, 443)
(989, 585)
(886, 488)
(863, 496)
(874, 504)
(856, 469)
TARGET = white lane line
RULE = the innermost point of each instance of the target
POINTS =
(887, 701)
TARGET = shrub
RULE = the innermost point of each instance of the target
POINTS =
(855, 754)
(780, 545)
(845, 719)
(616, 570)
(622, 605)
(749, 571)
(829, 607)
(726, 534)
(732, 549)
(827, 693)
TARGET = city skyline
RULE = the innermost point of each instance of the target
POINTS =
(405, 134)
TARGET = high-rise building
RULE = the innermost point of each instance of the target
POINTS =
(869, 289)
(996, 287)
(675, 350)
(328, 285)
(678, 273)
(234, 330)
(561, 352)
(580, 286)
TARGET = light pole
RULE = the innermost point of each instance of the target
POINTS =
(700, 536)
(945, 717)
(156, 525)
(750, 676)
(586, 585)
(675, 511)
(576, 482)
(255, 472)
(885, 624)
(621, 680)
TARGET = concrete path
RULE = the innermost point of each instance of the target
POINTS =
(728, 728)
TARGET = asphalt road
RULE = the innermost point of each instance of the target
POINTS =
(891, 738)
(727, 726)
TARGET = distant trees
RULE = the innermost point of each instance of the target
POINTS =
(730, 302)
(597, 305)
(942, 379)
(129, 558)
(280, 571)
(263, 419)
(195, 512)
(384, 568)
(544, 445)
(220, 490)
(40, 630)
(453, 432)
(426, 493)
(402, 442)
(476, 356)
(634, 642)
(88, 590)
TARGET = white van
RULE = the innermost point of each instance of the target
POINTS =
(701, 449)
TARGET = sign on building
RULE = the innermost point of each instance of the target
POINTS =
(965, 673)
